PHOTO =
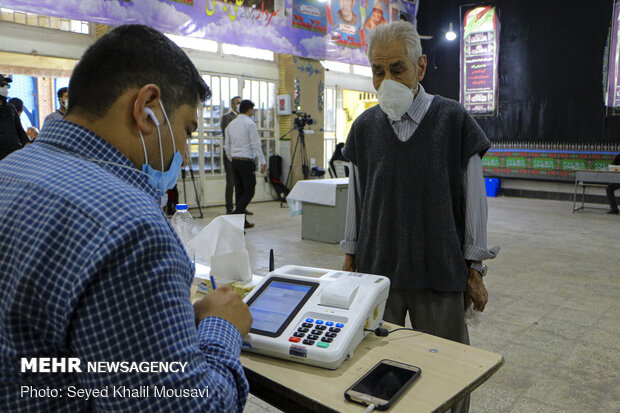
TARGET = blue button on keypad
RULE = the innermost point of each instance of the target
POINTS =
(319, 322)
(329, 323)
(339, 325)
(309, 320)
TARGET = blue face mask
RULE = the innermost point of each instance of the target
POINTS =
(162, 180)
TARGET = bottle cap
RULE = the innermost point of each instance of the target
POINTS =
(181, 207)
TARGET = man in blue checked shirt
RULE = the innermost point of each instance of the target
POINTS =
(104, 277)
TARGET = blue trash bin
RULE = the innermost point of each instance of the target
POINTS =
(492, 186)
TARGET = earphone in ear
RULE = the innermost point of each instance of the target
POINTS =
(151, 115)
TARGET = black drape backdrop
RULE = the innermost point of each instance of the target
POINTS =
(550, 68)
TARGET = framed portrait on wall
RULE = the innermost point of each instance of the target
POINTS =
(283, 104)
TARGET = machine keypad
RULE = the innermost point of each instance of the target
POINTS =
(316, 328)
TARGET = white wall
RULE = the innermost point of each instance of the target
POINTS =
(19, 38)
(349, 81)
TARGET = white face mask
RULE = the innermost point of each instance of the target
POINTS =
(4, 91)
(394, 99)
(65, 103)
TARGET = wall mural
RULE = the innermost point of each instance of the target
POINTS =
(316, 29)
(479, 55)
(549, 161)
(612, 69)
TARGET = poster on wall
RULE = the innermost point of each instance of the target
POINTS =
(310, 15)
(612, 95)
(316, 29)
(479, 53)
(346, 23)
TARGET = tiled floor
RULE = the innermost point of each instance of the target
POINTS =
(554, 301)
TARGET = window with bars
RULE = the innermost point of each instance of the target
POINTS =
(329, 135)
(206, 144)
(48, 22)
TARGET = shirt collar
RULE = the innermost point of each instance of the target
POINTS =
(415, 112)
(87, 145)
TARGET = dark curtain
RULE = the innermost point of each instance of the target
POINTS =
(550, 68)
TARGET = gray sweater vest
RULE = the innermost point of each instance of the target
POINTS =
(411, 221)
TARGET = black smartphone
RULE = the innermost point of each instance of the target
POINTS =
(383, 384)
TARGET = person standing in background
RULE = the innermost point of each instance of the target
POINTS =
(12, 135)
(63, 99)
(230, 176)
(242, 148)
(611, 189)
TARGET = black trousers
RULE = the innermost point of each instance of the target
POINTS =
(230, 184)
(245, 183)
(611, 197)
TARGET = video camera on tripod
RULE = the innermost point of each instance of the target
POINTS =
(302, 119)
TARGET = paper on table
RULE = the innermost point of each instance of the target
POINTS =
(221, 245)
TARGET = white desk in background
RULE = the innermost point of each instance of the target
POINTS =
(592, 179)
(323, 205)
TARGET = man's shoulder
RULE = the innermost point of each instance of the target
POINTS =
(448, 106)
(77, 183)
(370, 116)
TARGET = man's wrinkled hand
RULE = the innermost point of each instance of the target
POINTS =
(225, 303)
(476, 291)
(349, 263)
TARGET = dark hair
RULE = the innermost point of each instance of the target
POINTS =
(61, 92)
(132, 56)
(18, 103)
(245, 105)
(236, 97)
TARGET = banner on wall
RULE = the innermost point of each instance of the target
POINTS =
(612, 96)
(317, 29)
(479, 52)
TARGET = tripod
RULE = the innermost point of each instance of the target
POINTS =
(191, 173)
(305, 168)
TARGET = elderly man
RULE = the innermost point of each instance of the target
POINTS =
(112, 284)
(417, 207)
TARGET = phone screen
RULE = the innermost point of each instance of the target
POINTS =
(384, 381)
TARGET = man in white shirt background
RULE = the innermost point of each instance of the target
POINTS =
(242, 147)
(63, 99)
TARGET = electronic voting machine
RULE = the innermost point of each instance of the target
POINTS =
(313, 315)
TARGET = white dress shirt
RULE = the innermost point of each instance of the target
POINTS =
(242, 140)
(475, 245)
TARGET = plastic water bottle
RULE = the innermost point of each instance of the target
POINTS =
(183, 222)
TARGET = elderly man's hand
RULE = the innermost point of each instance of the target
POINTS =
(349, 263)
(476, 291)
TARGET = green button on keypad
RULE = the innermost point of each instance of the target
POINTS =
(321, 344)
